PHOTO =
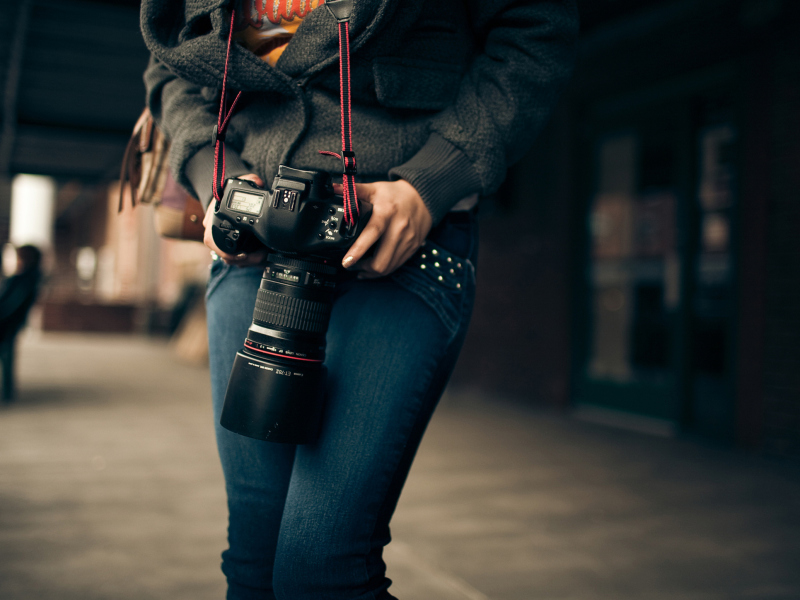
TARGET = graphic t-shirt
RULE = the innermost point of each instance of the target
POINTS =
(265, 26)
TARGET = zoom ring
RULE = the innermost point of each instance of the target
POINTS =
(296, 314)
(296, 263)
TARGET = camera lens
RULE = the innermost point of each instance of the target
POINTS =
(275, 391)
(294, 296)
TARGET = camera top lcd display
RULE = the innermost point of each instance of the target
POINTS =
(246, 203)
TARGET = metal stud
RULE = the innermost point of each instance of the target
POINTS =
(452, 271)
(422, 266)
(449, 259)
(458, 265)
(435, 252)
(441, 278)
(424, 256)
(436, 264)
(458, 285)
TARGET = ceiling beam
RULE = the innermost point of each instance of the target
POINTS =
(11, 91)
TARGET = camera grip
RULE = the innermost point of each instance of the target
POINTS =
(228, 238)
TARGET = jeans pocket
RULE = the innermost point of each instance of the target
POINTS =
(217, 273)
(441, 279)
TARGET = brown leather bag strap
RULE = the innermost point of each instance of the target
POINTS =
(146, 132)
(124, 172)
(130, 171)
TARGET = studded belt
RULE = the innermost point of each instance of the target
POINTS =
(439, 265)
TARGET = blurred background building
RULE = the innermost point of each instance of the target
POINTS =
(646, 252)
(640, 267)
(72, 74)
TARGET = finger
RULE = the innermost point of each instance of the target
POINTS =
(371, 234)
(392, 251)
(368, 237)
(208, 216)
(242, 259)
(230, 259)
(208, 240)
(364, 191)
(252, 177)
(382, 262)
(248, 260)
(366, 270)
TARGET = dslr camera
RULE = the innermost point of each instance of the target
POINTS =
(276, 387)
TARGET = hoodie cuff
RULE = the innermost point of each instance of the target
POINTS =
(442, 175)
(200, 171)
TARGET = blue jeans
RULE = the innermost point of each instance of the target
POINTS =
(310, 522)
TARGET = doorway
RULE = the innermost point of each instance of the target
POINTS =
(656, 290)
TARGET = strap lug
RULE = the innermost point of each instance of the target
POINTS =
(340, 9)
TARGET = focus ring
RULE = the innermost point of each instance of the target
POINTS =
(305, 265)
(273, 308)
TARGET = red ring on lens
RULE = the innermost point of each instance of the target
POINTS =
(247, 345)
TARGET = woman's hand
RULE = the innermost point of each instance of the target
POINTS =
(240, 260)
(399, 224)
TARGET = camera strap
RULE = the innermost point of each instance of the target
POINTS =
(218, 137)
(341, 11)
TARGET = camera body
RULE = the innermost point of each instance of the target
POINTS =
(276, 388)
(301, 216)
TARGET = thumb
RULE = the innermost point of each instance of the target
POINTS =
(252, 177)
(363, 190)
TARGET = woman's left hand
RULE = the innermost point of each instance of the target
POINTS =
(399, 224)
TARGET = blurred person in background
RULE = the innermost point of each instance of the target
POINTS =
(17, 295)
(446, 95)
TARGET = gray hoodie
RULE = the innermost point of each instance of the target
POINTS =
(445, 94)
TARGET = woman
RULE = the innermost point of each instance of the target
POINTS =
(445, 95)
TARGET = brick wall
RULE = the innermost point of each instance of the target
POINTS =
(518, 345)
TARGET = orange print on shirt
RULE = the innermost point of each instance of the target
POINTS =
(279, 11)
(268, 25)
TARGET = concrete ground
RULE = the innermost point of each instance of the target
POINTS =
(110, 488)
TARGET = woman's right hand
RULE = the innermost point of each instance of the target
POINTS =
(239, 260)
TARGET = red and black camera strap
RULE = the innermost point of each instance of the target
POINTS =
(341, 11)
(218, 137)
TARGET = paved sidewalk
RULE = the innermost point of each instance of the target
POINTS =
(110, 489)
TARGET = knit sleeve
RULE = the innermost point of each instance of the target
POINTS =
(187, 117)
(503, 100)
